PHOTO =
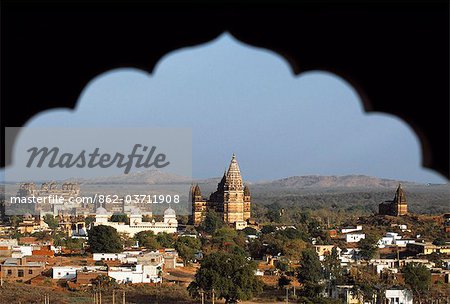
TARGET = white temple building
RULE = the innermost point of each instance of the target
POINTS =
(168, 225)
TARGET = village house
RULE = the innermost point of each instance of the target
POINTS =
(108, 256)
(323, 250)
(395, 295)
(354, 237)
(20, 269)
(65, 272)
(136, 273)
(351, 229)
(393, 239)
(345, 294)
(428, 248)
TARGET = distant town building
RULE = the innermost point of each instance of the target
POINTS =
(446, 218)
(48, 192)
(346, 294)
(168, 225)
(428, 248)
(323, 250)
(108, 256)
(354, 237)
(351, 229)
(136, 273)
(231, 200)
(395, 295)
(393, 239)
(20, 269)
(65, 272)
(72, 225)
(397, 207)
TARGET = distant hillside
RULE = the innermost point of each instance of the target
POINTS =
(350, 192)
(149, 177)
(308, 182)
(347, 181)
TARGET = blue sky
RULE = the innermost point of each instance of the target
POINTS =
(246, 100)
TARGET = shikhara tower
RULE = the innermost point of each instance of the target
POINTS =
(231, 200)
(397, 207)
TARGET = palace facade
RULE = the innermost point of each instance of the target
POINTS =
(231, 200)
(136, 225)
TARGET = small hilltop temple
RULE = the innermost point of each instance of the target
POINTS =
(397, 207)
(231, 200)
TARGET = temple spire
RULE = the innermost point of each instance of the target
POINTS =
(233, 178)
(400, 196)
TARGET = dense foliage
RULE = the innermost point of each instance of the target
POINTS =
(230, 276)
(104, 239)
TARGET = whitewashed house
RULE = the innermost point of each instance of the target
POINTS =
(21, 251)
(398, 296)
(109, 256)
(65, 272)
(354, 237)
(136, 273)
(351, 229)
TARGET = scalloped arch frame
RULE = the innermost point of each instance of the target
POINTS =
(395, 56)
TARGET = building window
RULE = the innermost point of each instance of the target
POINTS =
(30, 271)
(20, 273)
(9, 272)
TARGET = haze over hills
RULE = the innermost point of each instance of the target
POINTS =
(307, 181)
(347, 181)
(310, 191)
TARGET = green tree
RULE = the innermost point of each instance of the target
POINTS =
(256, 249)
(147, 239)
(274, 245)
(418, 278)
(273, 216)
(165, 240)
(249, 231)
(88, 220)
(231, 276)
(212, 222)
(368, 246)
(104, 239)
(332, 267)
(74, 244)
(310, 274)
(283, 281)
(439, 241)
(126, 240)
(59, 238)
(41, 235)
(103, 282)
(120, 218)
(268, 229)
(227, 239)
(51, 221)
(14, 220)
(187, 247)
(293, 248)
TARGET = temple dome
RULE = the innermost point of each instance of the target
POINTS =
(169, 212)
(101, 211)
(136, 211)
